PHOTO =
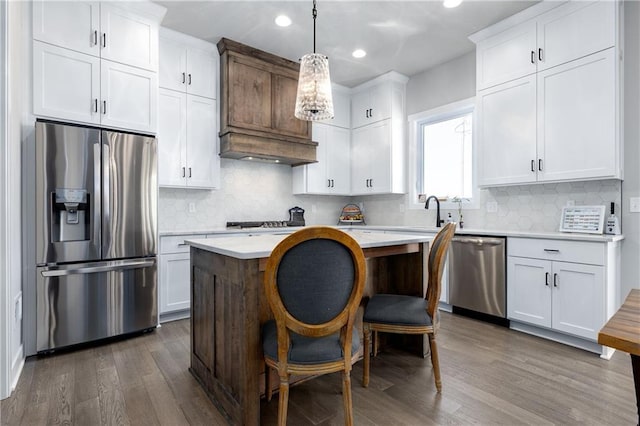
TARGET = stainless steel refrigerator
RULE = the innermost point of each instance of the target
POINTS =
(95, 234)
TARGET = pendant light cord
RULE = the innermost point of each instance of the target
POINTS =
(315, 14)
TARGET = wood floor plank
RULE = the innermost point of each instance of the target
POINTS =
(138, 406)
(166, 407)
(88, 412)
(11, 413)
(111, 398)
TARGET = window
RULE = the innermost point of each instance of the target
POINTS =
(442, 153)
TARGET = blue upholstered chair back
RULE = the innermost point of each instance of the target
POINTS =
(315, 280)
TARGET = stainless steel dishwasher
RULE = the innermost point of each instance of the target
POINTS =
(477, 272)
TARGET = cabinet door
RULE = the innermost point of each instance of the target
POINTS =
(128, 38)
(380, 102)
(129, 97)
(359, 109)
(283, 96)
(202, 75)
(249, 89)
(529, 290)
(175, 294)
(360, 160)
(380, 157)
(575, 30)
(172, 70)
(578, 299)
(341, 110)
(506, 56)
(73, 25)
(317, 180)
(66, 84)
(507, 133)
(577, 119)
(338, 160)
(203, 162)
(172, 138)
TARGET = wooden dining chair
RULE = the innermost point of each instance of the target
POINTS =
(314, 281)
(390, 313)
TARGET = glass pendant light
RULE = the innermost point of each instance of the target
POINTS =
(314, 101)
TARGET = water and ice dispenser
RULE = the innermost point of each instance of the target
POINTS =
(70, 214)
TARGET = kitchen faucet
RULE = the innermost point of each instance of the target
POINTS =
(426, 206)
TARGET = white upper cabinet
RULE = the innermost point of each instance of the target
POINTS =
(556, 118)
(66, 84)
(372, 160)
(567, 32)
(574, 30)
(331, 174)
(187, 141)
(506, 56)
(506, 127)
(577, 128)
(129, 97)
(371, 104)
(97, 63)
(188, 64)
(128, 37)
(73, 25)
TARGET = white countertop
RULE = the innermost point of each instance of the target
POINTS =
(256, 246)
(409, 229)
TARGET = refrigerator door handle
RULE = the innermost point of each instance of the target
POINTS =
(110, 266)
(106, 192)
(96, 236)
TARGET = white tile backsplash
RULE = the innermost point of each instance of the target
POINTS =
(520, 208)
(250, 191)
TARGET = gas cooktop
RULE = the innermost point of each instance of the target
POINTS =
(264, 224)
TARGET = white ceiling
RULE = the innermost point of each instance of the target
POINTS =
(405, 36)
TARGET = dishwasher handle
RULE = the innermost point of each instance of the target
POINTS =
(480, 241)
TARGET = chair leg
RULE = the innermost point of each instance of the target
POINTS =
(367, 354)
(435, 362)
(346, 396)
(375, 344)
(267, 383)
(283, 401)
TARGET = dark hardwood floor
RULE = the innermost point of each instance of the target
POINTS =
(490, 375)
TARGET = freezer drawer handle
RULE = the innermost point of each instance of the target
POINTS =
(102, 268)
(552, 250)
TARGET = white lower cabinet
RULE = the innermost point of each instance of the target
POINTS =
(174, 276)
(566, 295)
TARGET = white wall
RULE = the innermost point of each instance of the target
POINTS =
(631, 184)
(251, 191)
(11, 284)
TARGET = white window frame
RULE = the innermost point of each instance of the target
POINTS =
(441, 113)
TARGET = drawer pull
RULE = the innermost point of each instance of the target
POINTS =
(552, 250)
(182, 244)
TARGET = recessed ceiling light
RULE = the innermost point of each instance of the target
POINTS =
(283, 21)
(451, 3)
(359, 53)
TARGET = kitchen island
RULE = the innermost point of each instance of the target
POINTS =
(228, 307)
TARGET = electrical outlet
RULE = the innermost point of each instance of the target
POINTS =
(492, 206)
(422, 198)
(634, 204)
(192, 207)
(571, 203)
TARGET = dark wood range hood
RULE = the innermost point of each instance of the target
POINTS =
(258, 96)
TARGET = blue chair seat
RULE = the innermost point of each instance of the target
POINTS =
(397, 310)
(306, 350)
